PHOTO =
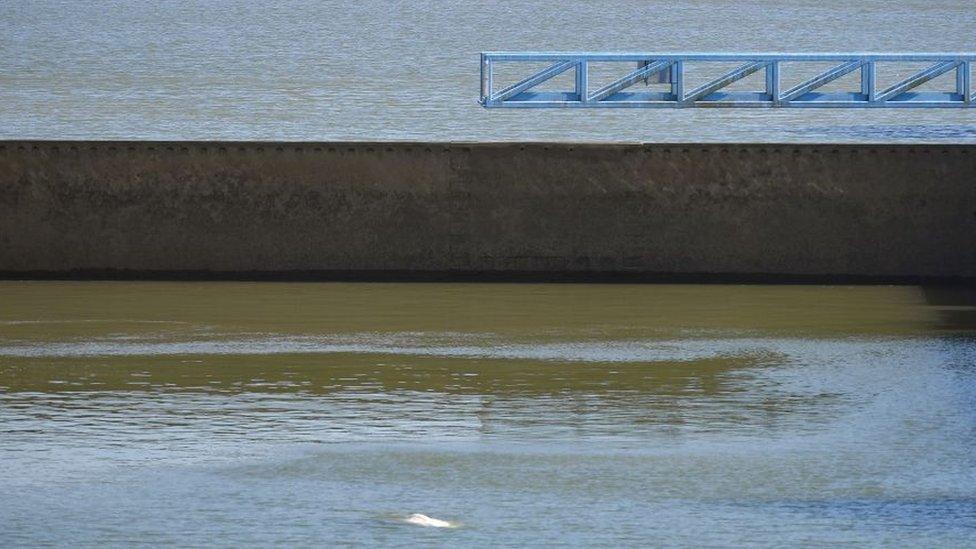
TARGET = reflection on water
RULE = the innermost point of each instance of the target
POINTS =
(595, 414)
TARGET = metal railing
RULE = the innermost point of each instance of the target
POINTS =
(672, 69)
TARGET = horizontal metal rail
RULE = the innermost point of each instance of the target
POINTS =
(672, 69)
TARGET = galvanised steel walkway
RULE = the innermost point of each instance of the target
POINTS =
(671, 68)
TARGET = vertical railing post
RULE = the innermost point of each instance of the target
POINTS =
(772, 81)
(678, 80)
(485, 79)
(582, 77)
(869, 87)
(964, 81)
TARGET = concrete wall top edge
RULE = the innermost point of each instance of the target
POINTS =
(444, 146)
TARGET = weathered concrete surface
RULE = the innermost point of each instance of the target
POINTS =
(887, 212)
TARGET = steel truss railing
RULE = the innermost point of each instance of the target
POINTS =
(671, 68)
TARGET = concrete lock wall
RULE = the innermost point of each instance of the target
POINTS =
(353, 210)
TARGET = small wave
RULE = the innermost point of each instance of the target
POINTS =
(614, 351)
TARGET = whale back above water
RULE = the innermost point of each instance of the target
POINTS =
(424, 520)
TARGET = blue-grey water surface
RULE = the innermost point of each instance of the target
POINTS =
(324, 414)
(367, 70)
(528, 414)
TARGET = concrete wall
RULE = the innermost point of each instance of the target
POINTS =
(405, 209)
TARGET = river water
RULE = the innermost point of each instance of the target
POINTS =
(326, 413)
(383, 69)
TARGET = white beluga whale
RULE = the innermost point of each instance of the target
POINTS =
(430, 522)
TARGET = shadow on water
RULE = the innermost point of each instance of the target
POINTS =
(333, 374)
(395, 355)
(954, 307)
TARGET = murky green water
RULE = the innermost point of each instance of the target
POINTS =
(320, 414)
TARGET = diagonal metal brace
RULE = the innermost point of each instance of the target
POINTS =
(822, 79)
(918, 79)
(534, 80)
(630, 79)
(714, 85)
